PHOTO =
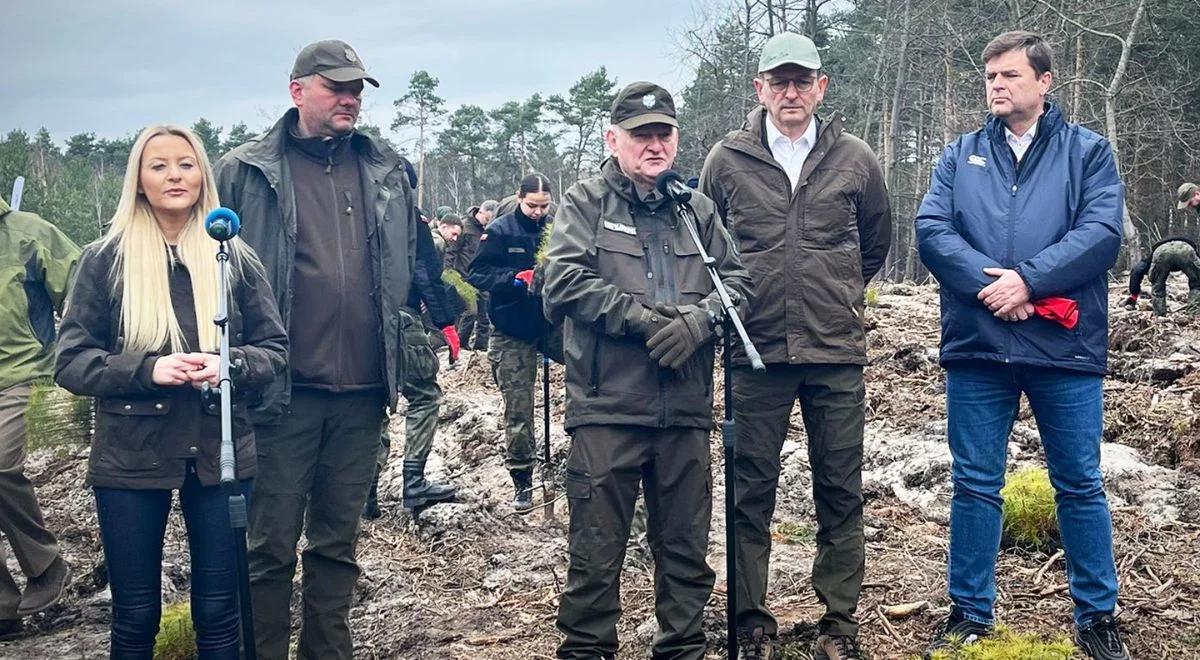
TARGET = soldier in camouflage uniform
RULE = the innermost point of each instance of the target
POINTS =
(1167, 256)
(504, 268)
(420, 387)
(424, 397)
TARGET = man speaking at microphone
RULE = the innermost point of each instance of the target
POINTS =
(330, 212)
(640, 317)
(807, 204)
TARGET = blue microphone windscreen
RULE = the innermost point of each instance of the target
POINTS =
(227, 222)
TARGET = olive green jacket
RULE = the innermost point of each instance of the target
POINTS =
(37, 263)
(610, 254)
(809, 251)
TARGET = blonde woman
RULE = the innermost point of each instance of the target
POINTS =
(138, 335)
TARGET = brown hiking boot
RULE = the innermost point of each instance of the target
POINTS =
(43, 591)
(837, 647)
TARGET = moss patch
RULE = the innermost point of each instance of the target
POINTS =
(1030, 520)
(176, 638)
(795, 533)
(1008, 645)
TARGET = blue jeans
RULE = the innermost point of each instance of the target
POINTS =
(981, 402)
(132, 526)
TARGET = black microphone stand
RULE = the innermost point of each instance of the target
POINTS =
(730, 324)
(229, 481)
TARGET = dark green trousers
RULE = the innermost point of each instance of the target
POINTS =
(314, 472)
(605, 469)
(831, 402)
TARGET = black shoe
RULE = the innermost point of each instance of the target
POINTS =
(523, 487)
(10, 629)
(43, 591)
(956, 631)
(838, 647)
(756, 644)
(419, 492)
(1101, 639)
(371, 508)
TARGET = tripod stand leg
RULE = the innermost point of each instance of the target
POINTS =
(729, 438)
(547, 494)
(237, 518)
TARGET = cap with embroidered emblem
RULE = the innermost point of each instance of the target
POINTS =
(642, 103)
(334, 60)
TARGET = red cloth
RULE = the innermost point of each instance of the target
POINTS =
(1062, 311)
(453, 341)
(526, 276)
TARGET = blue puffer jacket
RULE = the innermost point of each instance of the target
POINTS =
(1056, 219)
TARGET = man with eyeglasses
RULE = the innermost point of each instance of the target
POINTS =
(807, 204)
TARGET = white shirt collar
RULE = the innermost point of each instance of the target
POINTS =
(1020, 144)
(774, 135)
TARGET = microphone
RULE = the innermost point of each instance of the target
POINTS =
(671, 184)
(222, 224)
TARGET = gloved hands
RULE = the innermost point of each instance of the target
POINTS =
(644, 322)
(688, 329)
(452, 340)
(523, 279)
(1131, 302)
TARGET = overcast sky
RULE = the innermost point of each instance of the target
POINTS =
(113, 66)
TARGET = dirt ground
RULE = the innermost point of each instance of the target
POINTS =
(473, 580)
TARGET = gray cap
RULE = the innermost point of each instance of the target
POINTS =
(334, 60)
(1184, 195)
(789, 48)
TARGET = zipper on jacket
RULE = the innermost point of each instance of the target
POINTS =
(596, 366)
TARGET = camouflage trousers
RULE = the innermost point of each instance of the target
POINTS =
(421, 390)
(474, 326)
(1168, 258)
(514, 366)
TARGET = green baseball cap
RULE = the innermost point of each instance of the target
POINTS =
(642, 103)
(1184, 195)
(443, 211)
(789, 48)
(334, 60)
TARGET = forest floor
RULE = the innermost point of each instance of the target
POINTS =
(474, 580)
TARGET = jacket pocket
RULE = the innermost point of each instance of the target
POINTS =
(620, 261)
(127, 434)
(691, 275)
(830, 216)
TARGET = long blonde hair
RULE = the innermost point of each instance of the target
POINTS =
(143, 258)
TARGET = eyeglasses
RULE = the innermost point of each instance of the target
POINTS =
(780, 85)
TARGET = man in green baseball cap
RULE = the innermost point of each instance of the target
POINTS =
(1188, 195)
(808, 325)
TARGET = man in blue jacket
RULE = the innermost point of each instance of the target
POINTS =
(1026, 208)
